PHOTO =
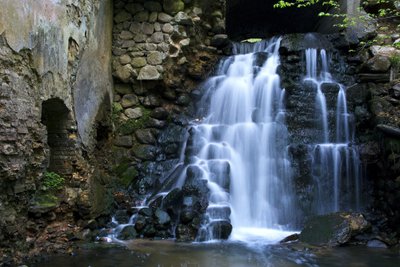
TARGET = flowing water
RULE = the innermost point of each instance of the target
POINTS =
(336, 165)
(241, 148)
(244, 132)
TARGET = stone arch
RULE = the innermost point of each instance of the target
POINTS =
(60, 136)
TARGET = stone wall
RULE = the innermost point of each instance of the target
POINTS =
(161, 52)
(56, 52)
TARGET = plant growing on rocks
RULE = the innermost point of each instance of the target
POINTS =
(52, 181)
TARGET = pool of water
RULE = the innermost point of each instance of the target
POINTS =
(142, 253)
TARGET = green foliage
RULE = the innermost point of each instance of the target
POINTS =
(45, 200)
(116, 110)
(53, 181)
(131, 125)
(252, 40)
(387, 10)
(395, 61)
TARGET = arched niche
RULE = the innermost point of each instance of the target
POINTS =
(60, 132)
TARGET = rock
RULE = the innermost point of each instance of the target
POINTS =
(220, 40)
(154, 58)
(125, 73)
(159, 113)
(147, 28)
(167, 28)
(151, 101)
(389, 130)
(153, 6)
(386, 51)
(187, 215)
(395, 91)
(129, 100)
(128, 233)
(333, 229)
(173, 6)
(185, 233)
(376, 243)
(153, 17)
(162, 217)
(290, 238)
(145, 136)
(126, 35)
(173, 134)
(151, 47)
(149, 73)
(164, 18)
(138, 62)
(142, 16)
(140, 38)
(377, 64)
(145, 152)
(221, 229)
(133, 113)
(147, 212)
(122, 16)
(124, 59)
(136, 27)
(183, 19)
(134, 8)
(157, 37)
(122, 88)
(123, 141)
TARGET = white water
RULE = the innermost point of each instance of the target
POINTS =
(244, 129)
(335, 165)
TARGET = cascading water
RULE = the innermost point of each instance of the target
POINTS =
(243, 153)
(336, 165)
(239, 151)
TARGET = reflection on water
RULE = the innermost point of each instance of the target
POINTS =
(142, 253)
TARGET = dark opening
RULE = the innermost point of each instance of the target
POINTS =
(56, 117)
(258, 18)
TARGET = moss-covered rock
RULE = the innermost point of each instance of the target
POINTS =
(173, 6)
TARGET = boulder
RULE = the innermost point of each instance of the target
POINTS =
(377, 63)
(138, 62)
(123, 141)
(154, 58)
(133, 113)
(333, 229)
(183, 19)
(145, 152)
(128, 233)
(145, 136)
(220, 40)
(220, 229)
(164, 18)
(125, 73)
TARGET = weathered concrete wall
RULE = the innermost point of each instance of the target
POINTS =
(58, 50)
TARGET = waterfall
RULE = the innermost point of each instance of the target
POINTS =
(335, 164)
(244, 132)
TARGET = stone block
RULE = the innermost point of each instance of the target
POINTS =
(154, 58)
(142, 16)
(149, 73)
(129, 100)
(138, 62)
(164, 18)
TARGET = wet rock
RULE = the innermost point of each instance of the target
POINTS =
(145, 152)
(162, 218)
(290, 238)
(173, 134)
(389, 130)
(147, 212)
(185, 233)
(221, 229)
(145, 136)
(220, 40)
(149, 73)
(376, 243)
(140, 223)
(128, 233)
(187, 215)
(395, 91)
(333, 229)
(159, 113)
